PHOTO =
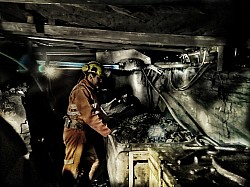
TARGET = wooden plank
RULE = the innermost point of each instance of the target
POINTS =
(105, 37)
(133, 157)
(134, 38)
(153, 178)
(18, 27)
(118, 37)
(131, 169)
(65, 53)
(105, 46)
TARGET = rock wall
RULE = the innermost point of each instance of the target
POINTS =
(219, 103)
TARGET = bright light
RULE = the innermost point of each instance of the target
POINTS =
(51, 72)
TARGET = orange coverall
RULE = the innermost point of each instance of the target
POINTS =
(83, 108)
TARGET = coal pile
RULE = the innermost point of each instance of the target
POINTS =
(150, 128)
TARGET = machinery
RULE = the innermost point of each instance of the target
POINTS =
(154, 149)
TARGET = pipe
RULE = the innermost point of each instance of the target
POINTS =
(66, 53)
(171, 65)
(194, 147)
(232, 176)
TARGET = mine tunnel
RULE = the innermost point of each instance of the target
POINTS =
(175, 91)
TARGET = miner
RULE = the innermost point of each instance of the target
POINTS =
(84, 128)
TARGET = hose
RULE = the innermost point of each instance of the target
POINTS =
(206, 138)
(196, 77)
(232, 176)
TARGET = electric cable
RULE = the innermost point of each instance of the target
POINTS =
(206, 137)
(165, 101)
(194, 79)
(148, 91)
(13, 59)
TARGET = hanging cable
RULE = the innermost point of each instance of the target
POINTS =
(196, 77)
(149, 94)
(204, 135)
(13, 59)
(165, 101)
(202, 69)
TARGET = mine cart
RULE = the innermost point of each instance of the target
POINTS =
(151, 150)
(130, 148)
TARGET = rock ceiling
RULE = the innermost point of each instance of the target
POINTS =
(115, 25)
(184, 19)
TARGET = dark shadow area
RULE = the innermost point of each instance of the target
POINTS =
(45, 125)
(236, 34)
(16, 169)
(45, 128)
